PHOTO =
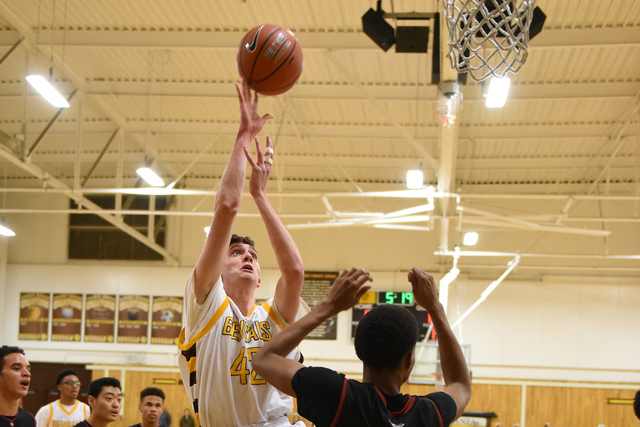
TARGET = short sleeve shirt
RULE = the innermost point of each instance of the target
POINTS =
(329, 399)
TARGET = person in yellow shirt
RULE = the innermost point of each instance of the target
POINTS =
(68, 410)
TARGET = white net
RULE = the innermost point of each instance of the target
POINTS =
(488, 37)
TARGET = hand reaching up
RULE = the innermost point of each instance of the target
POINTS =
(250, 121)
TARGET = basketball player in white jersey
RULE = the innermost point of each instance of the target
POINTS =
(223, 326)
(68, 410)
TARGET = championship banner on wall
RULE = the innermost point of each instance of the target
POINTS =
(133, 319)
(314, 289)
(66, 318)
(166, 320)
(100, 318)
(34, 317)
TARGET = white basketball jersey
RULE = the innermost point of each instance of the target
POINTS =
(216, 348)
(55, 414)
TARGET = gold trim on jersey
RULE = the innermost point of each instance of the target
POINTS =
(203, 331)
(64, 410)
(271, 312)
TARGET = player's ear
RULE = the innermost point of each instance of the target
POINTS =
(259, 281)
(91, 401)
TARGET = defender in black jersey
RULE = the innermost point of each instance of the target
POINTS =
(385, 342)
(105, 399)
(15, 378)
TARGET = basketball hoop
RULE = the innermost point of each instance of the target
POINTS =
(488, 37)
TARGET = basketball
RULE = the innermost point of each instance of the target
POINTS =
(270, 59)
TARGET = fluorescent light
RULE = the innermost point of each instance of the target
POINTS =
(45, 89)
(207, 229)
(470, 239)
(151, 177)
(6, 232)
(414, 179)
(402, 227)
(449, 277)
(413, 218)
(498, 91)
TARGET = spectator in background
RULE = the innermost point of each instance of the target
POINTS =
(105, 400)
(68, 410)
(151, 406)
(165, 419)
(15, 378)
(187, 420)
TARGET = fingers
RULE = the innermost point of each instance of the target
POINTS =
(259, 151)
(249, 158)
(239, 90)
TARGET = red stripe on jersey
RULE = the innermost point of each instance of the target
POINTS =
(437, 410)
(339, 410)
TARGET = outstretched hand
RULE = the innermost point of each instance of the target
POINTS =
(250, 121)
(260, 168)
(347, 289)
(424, 288)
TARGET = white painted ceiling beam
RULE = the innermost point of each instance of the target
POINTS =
(173, 39)
(138, 129)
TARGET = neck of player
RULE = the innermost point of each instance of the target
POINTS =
(8, 408)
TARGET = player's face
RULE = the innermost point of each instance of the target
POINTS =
(106, 406)
(15, 376)
(151, 408)
(241, 264)
(69, 386)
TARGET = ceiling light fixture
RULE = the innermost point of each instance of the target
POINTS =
(414, 179)
(45, 89)
(446, 281)
(150, 176)
(470, 239)
(6, 232)
(498, 91)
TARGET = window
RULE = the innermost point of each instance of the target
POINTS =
(91, 237)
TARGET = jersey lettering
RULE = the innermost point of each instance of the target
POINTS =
(240, 369)
(248, 331)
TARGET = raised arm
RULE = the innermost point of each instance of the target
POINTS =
(287, 294)
(229, 196)
(454, 367)
(271, 362)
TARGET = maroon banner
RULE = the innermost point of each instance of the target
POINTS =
(66, 318)
(166, 320)
(100, 318)
(34, 317)
(133, 319)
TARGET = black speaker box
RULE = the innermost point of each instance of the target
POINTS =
(412, 39)
(378, 30)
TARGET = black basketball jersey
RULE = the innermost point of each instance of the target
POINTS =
(21, 419)
(328, 399)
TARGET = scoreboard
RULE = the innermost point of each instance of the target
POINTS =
(372, 299)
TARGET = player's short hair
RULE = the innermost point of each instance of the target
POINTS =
(385, 336)
(96, 386)
(636, 404)
(246, 240)
(63, 374)
(152, 391)
(7, 350)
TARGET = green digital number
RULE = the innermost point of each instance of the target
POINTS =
(389, 297)
(407, 298)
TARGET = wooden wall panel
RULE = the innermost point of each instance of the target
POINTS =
(504, 400)
(175, 403)
(564, 406)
